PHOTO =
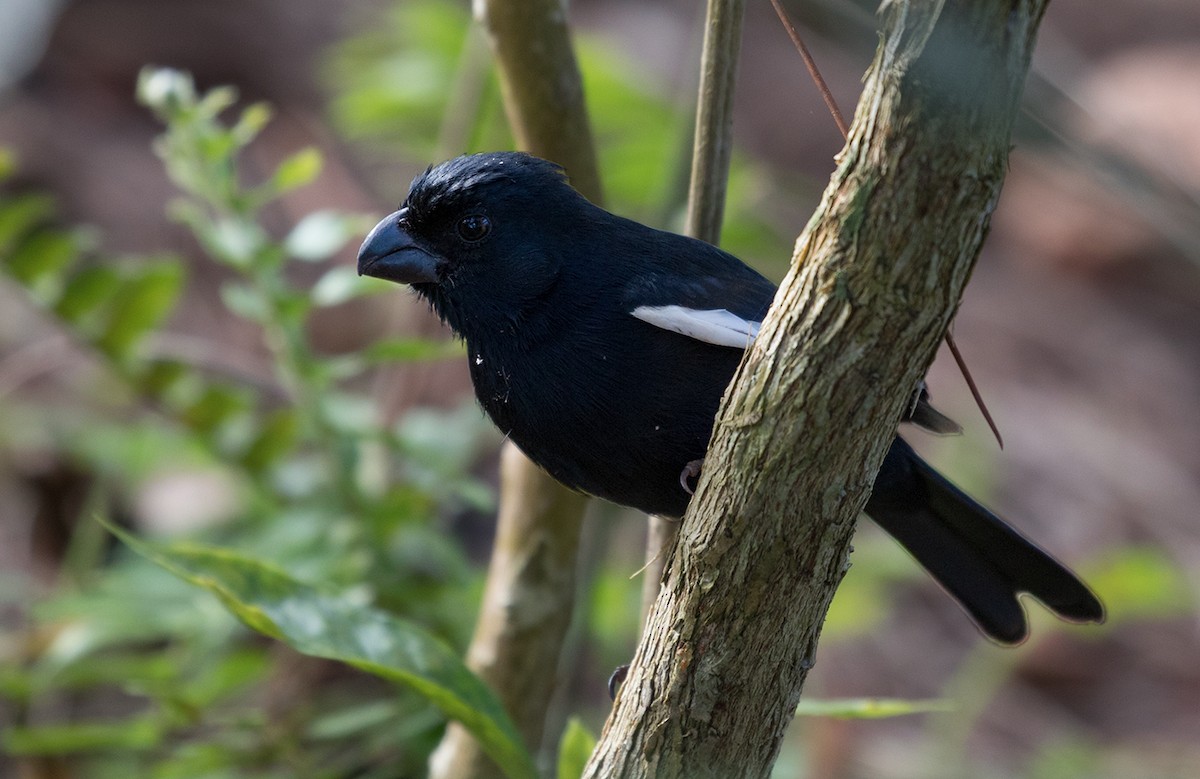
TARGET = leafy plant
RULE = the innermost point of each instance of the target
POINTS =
(301, 452)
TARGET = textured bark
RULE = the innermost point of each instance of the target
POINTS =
(876, 278)
(530, 587)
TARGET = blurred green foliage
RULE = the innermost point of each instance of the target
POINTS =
(574, 750)
(301, 452)
(351, 507)
(421, 89)
(346, 628)
(301, 456)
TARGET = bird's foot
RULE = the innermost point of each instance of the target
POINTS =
(689, 472)
(616, 680)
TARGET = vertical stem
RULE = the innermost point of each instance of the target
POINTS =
(527, 604)
(542, 87)
(711, 154)
(714, 119)
(531, 578)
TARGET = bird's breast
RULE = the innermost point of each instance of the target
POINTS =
(601, 415)
(492, 379)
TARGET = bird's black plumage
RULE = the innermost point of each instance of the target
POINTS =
(602, 348)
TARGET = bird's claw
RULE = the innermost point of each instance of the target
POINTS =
(616, 680)
(690, 471)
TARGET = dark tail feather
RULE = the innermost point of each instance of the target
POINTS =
(929, 418)
(980, 560)
(922, 414)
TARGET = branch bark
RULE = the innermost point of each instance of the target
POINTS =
(876, 278)
(529, 595)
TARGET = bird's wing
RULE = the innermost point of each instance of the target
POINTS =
(724, 309)
(717, 326)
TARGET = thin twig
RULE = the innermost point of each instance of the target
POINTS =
(962, 367)
(844, 128)
(711, 152)
(713, 146)
(811, 64)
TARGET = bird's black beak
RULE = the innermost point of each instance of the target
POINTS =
(389, 252)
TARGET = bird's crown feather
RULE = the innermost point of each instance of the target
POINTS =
(460, 179)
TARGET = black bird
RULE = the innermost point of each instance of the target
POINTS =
(602, 348)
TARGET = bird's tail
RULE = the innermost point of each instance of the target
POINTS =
(980, 560)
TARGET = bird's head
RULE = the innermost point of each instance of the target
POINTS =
(479, 236)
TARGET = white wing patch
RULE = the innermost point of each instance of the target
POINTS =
(715, 326)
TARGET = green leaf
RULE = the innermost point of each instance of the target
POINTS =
(868, 708)
(215, 405)
(225, 676)
(86, 292)
(141, 306)
(157, 377)
(234, 241)
(216, 100)
(250, 124)
(39, 260)
(276, 438)
(18, 215)
(245, 301)
(320, 234)
(125, 669)
(574, 750)
(136, 734)
(297, 170)
(341, 627)
(343, 723)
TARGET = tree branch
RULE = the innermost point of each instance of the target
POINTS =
(530, 588)
(876, 278)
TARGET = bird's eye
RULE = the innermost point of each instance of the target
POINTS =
(474, 227)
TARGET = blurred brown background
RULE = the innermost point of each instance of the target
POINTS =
(1081, 325)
